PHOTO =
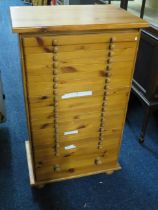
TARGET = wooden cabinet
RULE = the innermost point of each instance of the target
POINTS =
(77, 78)
(145, 81)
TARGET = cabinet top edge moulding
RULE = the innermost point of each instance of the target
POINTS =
(27, 19)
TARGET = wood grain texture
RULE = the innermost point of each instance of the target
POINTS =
(74, 17)
(78, 38)
(58, 62)
(112, 166)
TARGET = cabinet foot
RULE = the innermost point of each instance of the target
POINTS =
(141, 139)
(109, 172)
(40, 186)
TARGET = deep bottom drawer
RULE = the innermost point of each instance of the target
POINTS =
(75, 165)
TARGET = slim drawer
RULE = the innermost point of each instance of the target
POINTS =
(67, 148)
(78, 47)
(42, 40)
(80, 57)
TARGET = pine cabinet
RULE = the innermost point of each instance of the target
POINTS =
(77, 70)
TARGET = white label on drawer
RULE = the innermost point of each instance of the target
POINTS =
(70, 132)
(70, 147)
(77, 94)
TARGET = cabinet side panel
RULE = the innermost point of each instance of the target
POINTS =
(24, 79)
(130, 86)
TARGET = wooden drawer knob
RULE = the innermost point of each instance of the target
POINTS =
(111, 53)
(106, 93)
(104, 104)
(55, 111)
(56, 138)
(55, 91)
(56, 141)
(98, 161)
(55, 86)
(105, 97)
(107, 80)
(100, 142)
(55, 125)
(100, 146)
(108, 67)
(55, 72)
(54, 42)
(55, 49)
(57, 145)
(101, 129)
(109, 61)
(55, 79)
(55, 107)
(111, 46)
(113, 39)
(55, 121)
(55, 99)
(103, 109)
(102, 120)
(106, 88)
(104, 101)
(108, 74)
(102, 115)
(55, 58)
(55, 114)
(55, 65)
(57, 168)
(101, 136)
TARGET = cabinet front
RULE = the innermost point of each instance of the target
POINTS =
(77, 92)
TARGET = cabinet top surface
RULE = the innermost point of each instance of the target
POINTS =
(72, 18)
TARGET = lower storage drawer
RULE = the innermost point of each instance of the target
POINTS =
(73, 161)
(73, 168)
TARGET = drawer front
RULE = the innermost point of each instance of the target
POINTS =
(74, 161)
(77, 88)
(40, 40)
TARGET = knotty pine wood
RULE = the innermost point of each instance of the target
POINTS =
(72, 18)
(40, 96)
(108, 169)
(84, 38)
(76, 61)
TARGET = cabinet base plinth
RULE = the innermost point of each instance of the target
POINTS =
(41, 184)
